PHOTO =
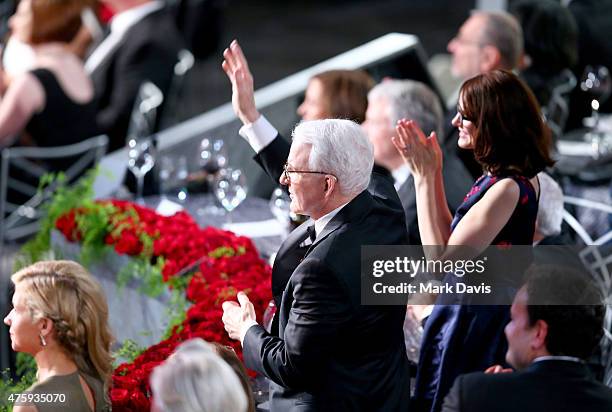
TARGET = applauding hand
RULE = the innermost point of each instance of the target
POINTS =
(238, 317)
(237, 69)
(491, 370)
(422, 154)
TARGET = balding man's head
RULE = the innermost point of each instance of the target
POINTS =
(486, 41)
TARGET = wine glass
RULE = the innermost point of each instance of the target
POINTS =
(173, 175)
(230, 189)
(141, 159)
(597, 83)
(166, 175)
(280, 203)
(213, 158)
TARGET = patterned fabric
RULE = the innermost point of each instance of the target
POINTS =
(466, 338)
(521, 226)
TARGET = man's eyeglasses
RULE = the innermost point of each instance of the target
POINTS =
(469, 42)
(286, 172)
(463, 117)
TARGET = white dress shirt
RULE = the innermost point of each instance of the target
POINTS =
(563, 358)
(400, 175)
(258, 134)
(119, 25)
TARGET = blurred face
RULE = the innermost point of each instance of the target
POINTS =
(520, 335)
(467, 130)
(306, 190)
(313, 107)
(467, 48)
(24, 331)
(378, 127)
(21, 22)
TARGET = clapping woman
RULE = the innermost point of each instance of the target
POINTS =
(499, 119)
(60, 317)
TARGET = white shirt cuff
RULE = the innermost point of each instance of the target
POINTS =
(245, 329)
(259, 134)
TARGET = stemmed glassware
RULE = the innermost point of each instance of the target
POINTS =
(230, 189)
(280, 207)
(141, 159)
(173, 173)
(213, 159)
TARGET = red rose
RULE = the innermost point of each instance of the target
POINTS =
(119, 397)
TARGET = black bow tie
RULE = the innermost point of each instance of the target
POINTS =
(311, 232)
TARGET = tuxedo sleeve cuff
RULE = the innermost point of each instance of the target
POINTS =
(245, 329)
(258, 134)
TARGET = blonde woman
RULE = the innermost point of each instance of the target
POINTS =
(60, 317)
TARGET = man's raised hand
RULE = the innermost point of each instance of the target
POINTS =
(236, 67)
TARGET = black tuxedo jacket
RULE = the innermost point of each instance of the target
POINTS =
(148, 51)
(457, 183)
(332, 353)
(550, 385)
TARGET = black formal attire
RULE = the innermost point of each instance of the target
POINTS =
(546, 385)
(332, 353)
(148, 51)
(62, 121)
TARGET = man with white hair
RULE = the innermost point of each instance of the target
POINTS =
(389, 102)
(331, 352)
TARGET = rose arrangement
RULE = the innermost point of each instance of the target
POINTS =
(228, 264)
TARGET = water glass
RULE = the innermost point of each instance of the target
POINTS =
(230, 189)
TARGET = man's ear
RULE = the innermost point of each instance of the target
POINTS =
(541, 334)
(524, 61)
(330, 185)
(490, 58)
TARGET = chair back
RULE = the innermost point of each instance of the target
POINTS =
(556, 111)
(27, 165)
(597, 257)
(170, 115)
(144, 113)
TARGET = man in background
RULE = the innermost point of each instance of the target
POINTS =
(557, 322)
(143, 44)
(389, 102)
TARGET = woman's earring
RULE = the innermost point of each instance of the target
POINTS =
(42, 340)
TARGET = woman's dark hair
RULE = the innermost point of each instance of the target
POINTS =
(510, 132)
(346, 93)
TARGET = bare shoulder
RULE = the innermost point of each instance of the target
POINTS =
(505, 189)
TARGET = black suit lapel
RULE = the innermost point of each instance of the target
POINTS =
(289, 255)
(356, 207)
